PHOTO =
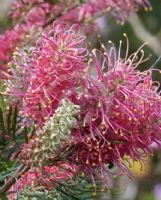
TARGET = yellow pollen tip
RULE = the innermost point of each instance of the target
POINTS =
(87, 162)
(94, 194)
(83, 174)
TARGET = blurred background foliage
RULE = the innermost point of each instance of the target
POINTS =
(146, 27)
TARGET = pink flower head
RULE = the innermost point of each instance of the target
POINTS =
(8, 42)
(85, 13)
(32, 13)
(29, 16)
(121, 112)
(120, 9)
(46, 177)
(57, 63)
(92, 9)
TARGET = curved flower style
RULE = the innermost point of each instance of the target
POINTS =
(121, 112)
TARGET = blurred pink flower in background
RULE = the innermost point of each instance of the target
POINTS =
(157, 191)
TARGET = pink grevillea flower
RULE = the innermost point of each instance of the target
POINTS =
(29, 17)
(120, 9)
(8, 41)
(57, 64)
(86, 12)
(35, 17)
(32, 13)
(121, 112)
(91, 9)
(46, 177)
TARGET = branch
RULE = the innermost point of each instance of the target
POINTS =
(144, 35)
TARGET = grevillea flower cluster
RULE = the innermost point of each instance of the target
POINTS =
(86, 123)
(48, 143)
(120, 113)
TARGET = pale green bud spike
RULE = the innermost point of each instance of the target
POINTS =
(55, 132)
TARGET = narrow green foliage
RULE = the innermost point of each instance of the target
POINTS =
(25, 134)
(10, 141)
(14, 123)
(4, 197)
(2, 103)
(9, 119)
(1, 120)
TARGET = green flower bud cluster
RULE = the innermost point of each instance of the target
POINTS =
(48, 142)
